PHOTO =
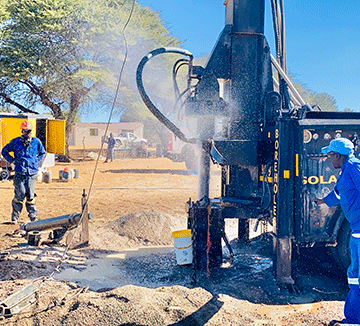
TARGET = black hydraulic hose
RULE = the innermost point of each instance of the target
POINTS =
(279, 29)
(150, 105)
(283, 39)
(265, 184)
(176, 68)
(179, 99)
(275, 25)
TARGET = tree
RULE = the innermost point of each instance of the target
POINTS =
(324, 101)
(67, 54)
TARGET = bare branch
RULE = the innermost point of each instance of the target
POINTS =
(7, 99)
(55, 108)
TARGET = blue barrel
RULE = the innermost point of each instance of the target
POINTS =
(65, 176)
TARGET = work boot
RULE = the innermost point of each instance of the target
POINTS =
(15, 217)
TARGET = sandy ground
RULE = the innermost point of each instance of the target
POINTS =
(128, 275)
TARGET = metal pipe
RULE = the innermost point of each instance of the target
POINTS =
(204, 174)
(293, 98)
(287, 80)
(52, 223)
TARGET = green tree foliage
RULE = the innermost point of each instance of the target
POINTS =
(67, 54)
(324, 101)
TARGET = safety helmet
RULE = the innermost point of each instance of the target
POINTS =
(26, 125)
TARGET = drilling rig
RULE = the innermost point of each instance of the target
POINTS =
(254, 124)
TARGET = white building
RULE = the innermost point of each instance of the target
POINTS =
(89, 135)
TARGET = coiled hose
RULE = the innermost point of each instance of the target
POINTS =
(149, 104)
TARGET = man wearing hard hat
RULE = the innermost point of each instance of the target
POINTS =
(27, 153)
(347, 194)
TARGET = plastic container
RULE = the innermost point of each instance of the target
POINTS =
(66, 176)
(47, 177)
(183, 246)
(76, 174)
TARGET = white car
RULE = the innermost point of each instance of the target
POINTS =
(129, 140)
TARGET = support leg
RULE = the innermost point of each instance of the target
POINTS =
(282, 261)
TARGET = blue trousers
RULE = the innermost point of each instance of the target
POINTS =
(110, 154)
(24, 188)
(352, 303)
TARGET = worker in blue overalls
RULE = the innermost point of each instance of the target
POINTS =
(347, 194)
(28, 152)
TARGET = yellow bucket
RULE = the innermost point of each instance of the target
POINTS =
(183, 246)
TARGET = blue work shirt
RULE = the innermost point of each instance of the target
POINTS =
(111, 142)
(26, 158)
(347, 192)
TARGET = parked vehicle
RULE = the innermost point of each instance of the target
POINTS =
(128, 140)
(179, 151)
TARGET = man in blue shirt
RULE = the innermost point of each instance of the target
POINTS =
(110, 150)
(27, 154)
(347, 194)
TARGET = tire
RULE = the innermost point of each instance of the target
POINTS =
(118, 143)
(143, 145)
(341, 253)
(4, 175)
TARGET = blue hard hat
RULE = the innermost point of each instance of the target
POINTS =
(342, 146)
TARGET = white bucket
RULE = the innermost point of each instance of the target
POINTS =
(183, 246)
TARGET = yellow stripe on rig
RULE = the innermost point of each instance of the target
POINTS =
(297, 165)
(269, 179)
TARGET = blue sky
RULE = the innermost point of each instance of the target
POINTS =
(322, 39)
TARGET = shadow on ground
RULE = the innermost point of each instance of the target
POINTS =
(249, 276)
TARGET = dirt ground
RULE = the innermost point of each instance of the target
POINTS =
(128, 274)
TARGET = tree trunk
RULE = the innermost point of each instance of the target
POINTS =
(44, 99)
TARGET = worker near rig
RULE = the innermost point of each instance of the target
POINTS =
(347, 194)
(28, 152)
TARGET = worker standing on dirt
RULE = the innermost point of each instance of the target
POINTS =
(27, 152)
(110, 149)
(347, 194)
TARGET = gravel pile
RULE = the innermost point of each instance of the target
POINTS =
(148, 227)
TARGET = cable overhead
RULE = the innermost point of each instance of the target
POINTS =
(115, 97)
(97, 161)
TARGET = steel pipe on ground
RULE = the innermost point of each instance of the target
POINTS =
(52, 223)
